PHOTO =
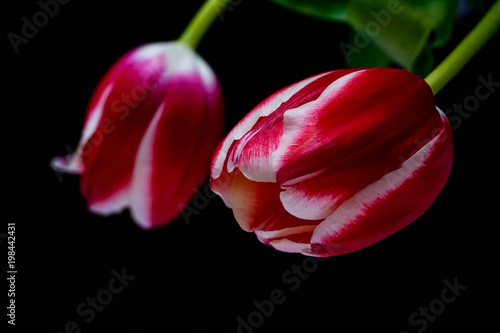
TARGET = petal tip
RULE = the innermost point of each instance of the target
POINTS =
(69, 164)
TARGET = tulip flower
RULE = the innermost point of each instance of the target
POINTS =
(149, 133)
(335, 162)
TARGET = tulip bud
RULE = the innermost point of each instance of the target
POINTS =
(149, 133)
(335, 162)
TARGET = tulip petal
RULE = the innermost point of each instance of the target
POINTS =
(384, 133)
(256, 206)
(222, 185)
(174, 155)
(254, 162)
(263, 139)
(390, 203)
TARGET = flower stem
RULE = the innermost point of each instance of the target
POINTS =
(201, 22)
(467, 48)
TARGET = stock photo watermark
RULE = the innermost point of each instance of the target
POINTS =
(88, 309)
(30, 26)
(200, 201)
(371, 29)
(420, 319)
(11, 272)
(460, 111)
(292, 279)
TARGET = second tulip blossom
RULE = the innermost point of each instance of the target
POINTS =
(149, 134)
(335, 162)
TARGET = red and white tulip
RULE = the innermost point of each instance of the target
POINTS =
(149, 134)
(335, 162)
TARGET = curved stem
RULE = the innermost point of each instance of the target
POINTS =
(201, 22)
(467, 48)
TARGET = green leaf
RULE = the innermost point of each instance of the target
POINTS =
(406, 31)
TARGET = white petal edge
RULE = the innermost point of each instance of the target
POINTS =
(140, 191)
(113, 204)
(180, 60)
(286, 245)
(281, 233)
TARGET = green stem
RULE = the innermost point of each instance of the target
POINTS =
(201, 22)
(467, 48)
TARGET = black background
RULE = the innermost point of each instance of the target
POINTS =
(201, 276)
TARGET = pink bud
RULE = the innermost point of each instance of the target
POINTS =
(335, 162)
(149, 133)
